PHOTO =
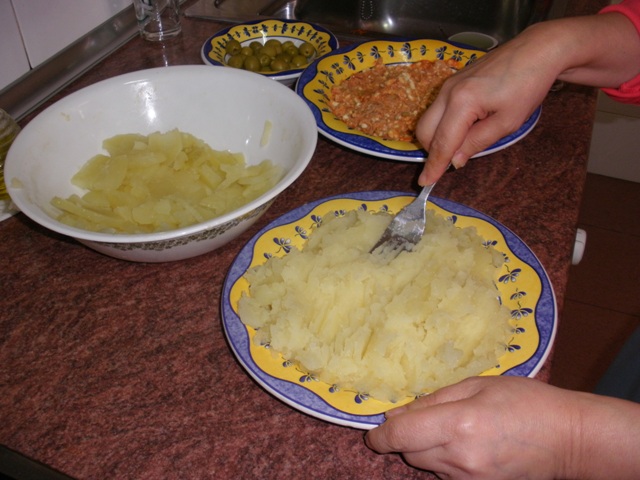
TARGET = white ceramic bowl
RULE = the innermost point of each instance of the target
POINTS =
(213, 51)
(225, 107)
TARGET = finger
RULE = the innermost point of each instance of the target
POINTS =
(425, 133)
(452, 100)
(485, 133)
(458, 391)
(435, 164)
(432, 171)
(414, 430)
(429, 121)
(444, 140)
(426, 422)
(480, 136)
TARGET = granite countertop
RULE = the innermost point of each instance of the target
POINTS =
(112, 369)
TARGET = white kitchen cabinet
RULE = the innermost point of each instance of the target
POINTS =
(615, 143)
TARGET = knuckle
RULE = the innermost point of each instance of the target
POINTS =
(395, 437)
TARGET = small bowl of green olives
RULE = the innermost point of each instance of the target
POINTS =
(278, 49)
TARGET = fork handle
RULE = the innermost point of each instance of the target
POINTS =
(426, 190)
(418, 206)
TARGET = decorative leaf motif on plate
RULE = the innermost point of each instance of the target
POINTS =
(518, 295)
(361, 397)
(510, 276)
(283, 243)
(348, 63)
(521, 312)
(301, 232)
(317, 221)
(406, 51)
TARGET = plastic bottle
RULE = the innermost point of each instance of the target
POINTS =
(9, 129)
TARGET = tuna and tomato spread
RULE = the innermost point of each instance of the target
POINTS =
(387, 100)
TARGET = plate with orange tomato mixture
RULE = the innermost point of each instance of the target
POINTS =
(369, 96)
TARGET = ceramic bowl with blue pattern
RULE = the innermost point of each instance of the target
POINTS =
(213, 50)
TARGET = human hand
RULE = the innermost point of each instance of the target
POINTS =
(482, 103)
(495, 95)
(485, 428)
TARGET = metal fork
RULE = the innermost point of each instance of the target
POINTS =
(406, 228)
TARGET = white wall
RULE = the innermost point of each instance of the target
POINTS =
(41, 28)
(13, 57)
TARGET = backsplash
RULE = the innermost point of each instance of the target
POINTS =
(32, 32)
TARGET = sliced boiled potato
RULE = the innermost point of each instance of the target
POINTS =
(161, 182)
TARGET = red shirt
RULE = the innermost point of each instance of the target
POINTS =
(628, 92)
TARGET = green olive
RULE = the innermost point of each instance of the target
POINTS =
(269, 50)
(265, 60)
(236, 61)
(306, 49)
(252, 64)
(292, 50)
(299, 61)
(285, 57)
(246, 51)
(275, 44)
(279, 65)
(233, 47)
(273, 56)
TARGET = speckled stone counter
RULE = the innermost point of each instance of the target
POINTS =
(111, 369)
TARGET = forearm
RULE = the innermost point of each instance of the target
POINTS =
(493, 96)
(607, 443)
(570, 50)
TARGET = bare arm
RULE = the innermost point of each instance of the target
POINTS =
(509, 427)
(493, 97)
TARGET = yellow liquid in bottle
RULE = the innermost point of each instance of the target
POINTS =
(9, 129)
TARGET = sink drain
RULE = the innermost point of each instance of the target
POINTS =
(366, 9)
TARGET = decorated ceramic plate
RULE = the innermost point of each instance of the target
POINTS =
(523, 285)
(213, 51)
(316, 82)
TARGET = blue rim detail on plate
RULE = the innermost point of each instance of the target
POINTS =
(308, 402)
(368, 145)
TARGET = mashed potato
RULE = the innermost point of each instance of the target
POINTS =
(390, 329)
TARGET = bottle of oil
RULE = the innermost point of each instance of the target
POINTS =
(9, 129)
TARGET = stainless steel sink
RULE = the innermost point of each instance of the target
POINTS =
(437, 19)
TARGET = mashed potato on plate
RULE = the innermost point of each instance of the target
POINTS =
(388, 329)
